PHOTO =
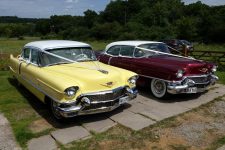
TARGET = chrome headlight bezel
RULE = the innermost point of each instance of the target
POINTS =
(180, 73)
(133, 80)
(71, 91)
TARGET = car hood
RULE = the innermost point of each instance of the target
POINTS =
(88, 78)
(191, 66)
(174, 60)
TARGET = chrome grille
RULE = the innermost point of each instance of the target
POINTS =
(200, 80)
(107, 96)
(100, 105)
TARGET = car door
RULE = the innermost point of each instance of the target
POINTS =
(111, 56)
(125, 59)
(29, 70)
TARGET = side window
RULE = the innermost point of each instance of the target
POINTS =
(139, 53)
(127, 51)
(34, 56)
(115, 50)
(26, 54)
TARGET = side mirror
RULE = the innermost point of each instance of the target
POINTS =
(20, 58)
(27, 62)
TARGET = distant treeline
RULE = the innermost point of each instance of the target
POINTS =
(127, 20)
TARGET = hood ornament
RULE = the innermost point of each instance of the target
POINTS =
(108, 84)
(103, 71)
(204, 70)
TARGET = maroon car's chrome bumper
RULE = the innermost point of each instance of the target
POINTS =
(192, 84)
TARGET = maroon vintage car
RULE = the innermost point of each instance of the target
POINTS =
(163, 72)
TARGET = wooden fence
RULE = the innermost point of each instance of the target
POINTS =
(217, 57)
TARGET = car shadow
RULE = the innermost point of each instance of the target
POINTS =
(43, 110)
(145, 92)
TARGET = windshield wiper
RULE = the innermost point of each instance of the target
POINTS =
(58, 63)
(85, 60)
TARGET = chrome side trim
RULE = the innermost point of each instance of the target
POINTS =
(39, 89)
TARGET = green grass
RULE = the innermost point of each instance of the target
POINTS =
(211, 47)
(218, 143)
(98, 45)
(221, 76)
(14, 45)
(18, 105)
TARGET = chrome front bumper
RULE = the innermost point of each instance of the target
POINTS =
(87, 106)
(189, 82)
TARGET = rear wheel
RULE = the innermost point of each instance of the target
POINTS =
(158, 88)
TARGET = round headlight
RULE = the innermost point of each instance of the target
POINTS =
(71, 91)
(133, 80)
(180, 73)
(214, 68)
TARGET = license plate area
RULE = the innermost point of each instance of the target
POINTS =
(123, 100)
(191, 90)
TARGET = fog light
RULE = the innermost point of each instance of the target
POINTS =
(129, 90)
(190, 82)
(86, 101)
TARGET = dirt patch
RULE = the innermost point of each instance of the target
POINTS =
(198, 129)
(218, 108)
(39, 126)
(20, 113)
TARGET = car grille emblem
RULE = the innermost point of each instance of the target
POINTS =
(204, 70)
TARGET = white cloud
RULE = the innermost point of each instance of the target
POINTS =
(72, 1)
(208, 2)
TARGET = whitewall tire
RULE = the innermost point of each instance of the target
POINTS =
(158, 88)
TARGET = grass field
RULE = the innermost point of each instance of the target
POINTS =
(24, 111)
(14, 45)
(30, 118)
(15, 104)
(211, 47)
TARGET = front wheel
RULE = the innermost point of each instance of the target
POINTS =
(55, 112)
(159, 88)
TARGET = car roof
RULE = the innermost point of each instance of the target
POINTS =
(130, 43)
(50, 44)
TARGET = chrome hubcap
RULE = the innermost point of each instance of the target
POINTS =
(54, 110)
(159, 87)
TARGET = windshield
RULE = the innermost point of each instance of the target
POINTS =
(159, 47)
(66, 55)
(185, 42)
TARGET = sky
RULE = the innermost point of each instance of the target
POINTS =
(47, 8)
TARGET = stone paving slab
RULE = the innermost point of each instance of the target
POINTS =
(132, 120)
(157, 110)
(68, 135)
(204, 98)
(42, 143)
(99, 124)
(7, 140)
(162, 109)
(221, 148)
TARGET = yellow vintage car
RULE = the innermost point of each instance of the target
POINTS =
(67, 76)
